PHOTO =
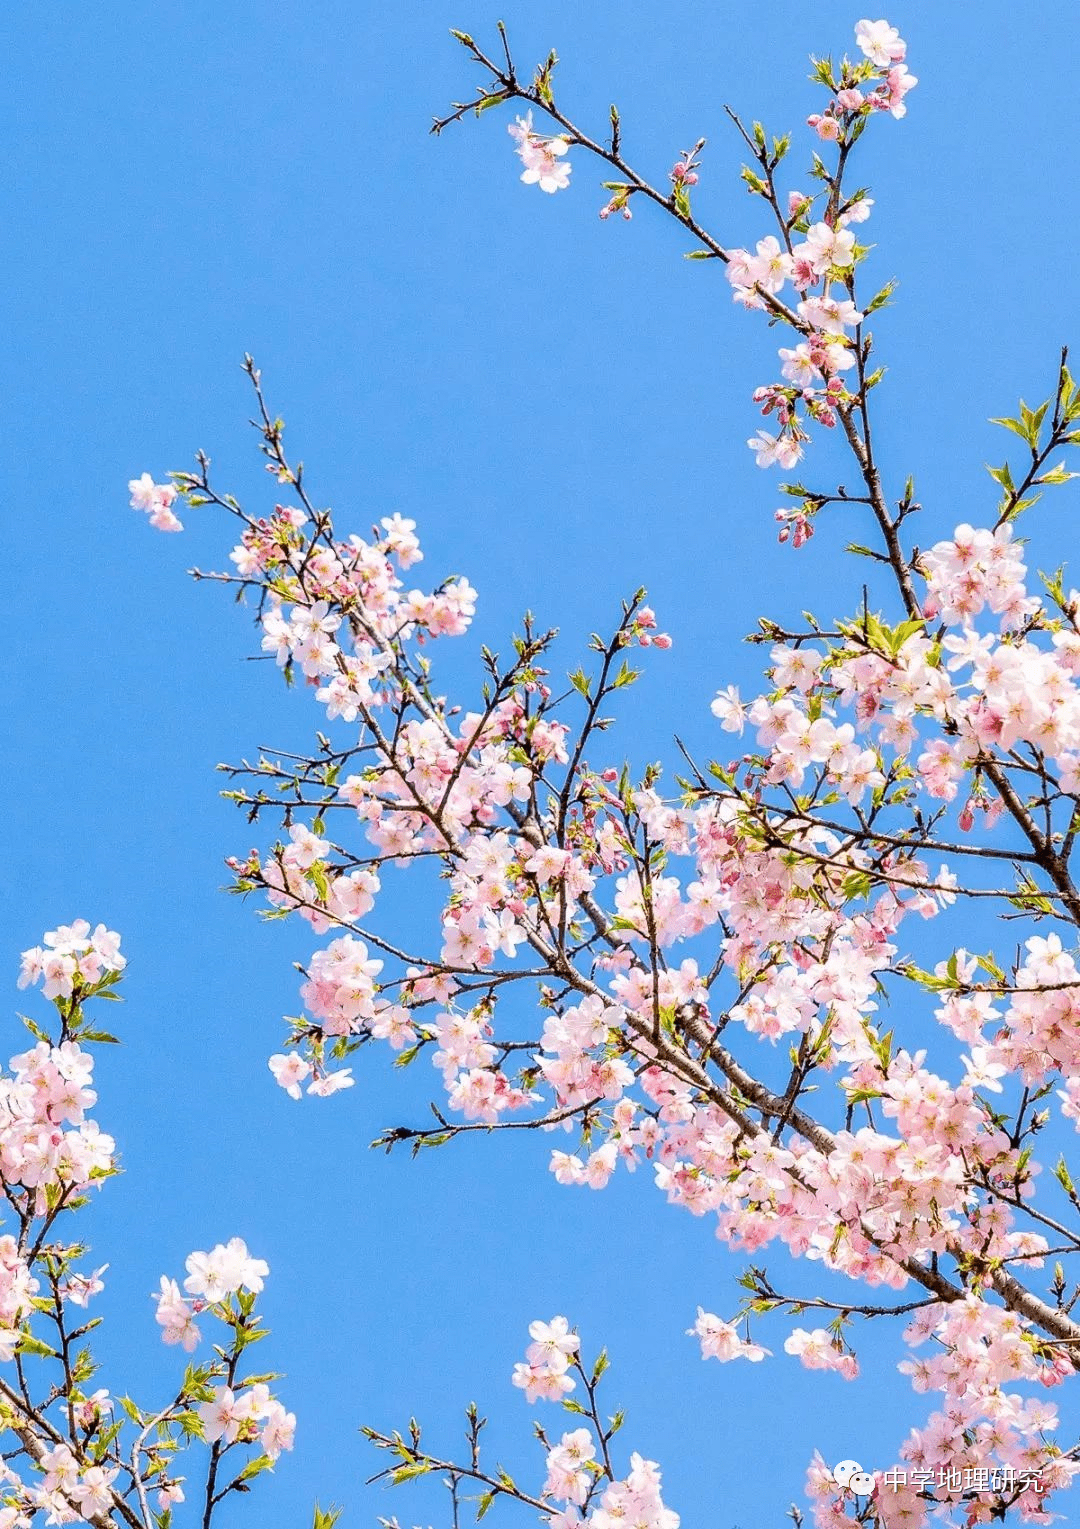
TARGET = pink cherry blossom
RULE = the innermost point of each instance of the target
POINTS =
(880, 43)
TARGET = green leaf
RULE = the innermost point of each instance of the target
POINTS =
(882, 298)
(1033, 419)
(316, 874)
(28, 1344)
(1057, 474)
(990, 966)
(1012, 424)
(1023, 504)
(256, 1467)
(905, 630)
(409, 1472)
(823, 71)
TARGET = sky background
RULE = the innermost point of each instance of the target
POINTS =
(562, 405)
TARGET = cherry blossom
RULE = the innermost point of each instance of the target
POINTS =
(542, 157)
(881, 43)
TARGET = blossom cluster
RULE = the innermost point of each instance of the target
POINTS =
(544, 157)
(50, 1154)
(983, 1435)
(806, 918)
(223, 1284)
(156, 500)
(720, 1339)
(212, 1278)
(47, 1090)
(821, 265)
(71, 956)
(798, 872)
(253, 1416)
(544, 1373)
(573, 1471)
(635, 1500)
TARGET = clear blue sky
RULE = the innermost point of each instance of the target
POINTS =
(562, 405)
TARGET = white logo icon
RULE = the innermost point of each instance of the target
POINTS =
(850, 1475)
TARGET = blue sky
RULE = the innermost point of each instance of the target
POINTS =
(562, 405)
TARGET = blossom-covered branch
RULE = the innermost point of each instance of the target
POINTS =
(708, 959)
(80, 1454)
(581, 1484)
